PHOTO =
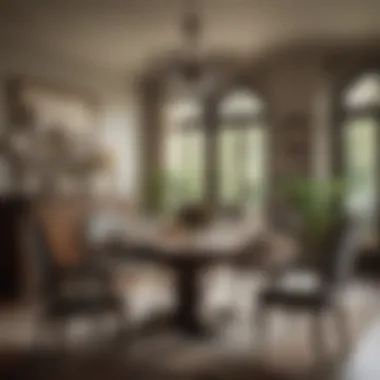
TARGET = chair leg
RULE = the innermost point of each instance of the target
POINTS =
(318, 335)
(38, 335)
(120, 319)
(48, 332)
(260, 325)
(342, 328)
(63, 333)
(121, 316)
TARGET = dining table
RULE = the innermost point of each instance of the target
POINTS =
(189, 253)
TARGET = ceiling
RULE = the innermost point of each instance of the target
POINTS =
(121, 36)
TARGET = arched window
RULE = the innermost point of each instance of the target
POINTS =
(242, 150)
(360, 148)
(183, 153)
(363, 94)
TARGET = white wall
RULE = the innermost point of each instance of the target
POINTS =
(116, 123)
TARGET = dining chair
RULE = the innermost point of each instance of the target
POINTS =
(241, 269)
(318, 291)
(84, 289)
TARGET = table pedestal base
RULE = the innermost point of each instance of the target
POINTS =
(186, 318)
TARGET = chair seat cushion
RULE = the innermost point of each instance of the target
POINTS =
(83, 305)
(299, 289)
(82, 291)
(284, 298)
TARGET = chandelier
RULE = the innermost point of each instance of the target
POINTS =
(189, 69)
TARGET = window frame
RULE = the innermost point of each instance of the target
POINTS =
(349, 115)
(254, 119)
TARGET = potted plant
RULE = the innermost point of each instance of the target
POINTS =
(318, 205)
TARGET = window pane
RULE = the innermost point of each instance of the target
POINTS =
(256, 166)
(242, 166)
(363, 93)
(184, 163)
(360, 149)
(231, 142)
(192, 166)
(240, 104)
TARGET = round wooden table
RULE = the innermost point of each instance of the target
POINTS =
(188, 255)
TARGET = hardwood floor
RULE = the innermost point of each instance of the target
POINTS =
(233, 352)
(364, 361)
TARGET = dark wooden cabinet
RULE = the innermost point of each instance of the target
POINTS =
(13, 211)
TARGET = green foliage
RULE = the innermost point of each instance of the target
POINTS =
(154, 193)
(317, 202)
(177, 190)
(167, 191)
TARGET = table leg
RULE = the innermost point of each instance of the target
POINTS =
(189, 299)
